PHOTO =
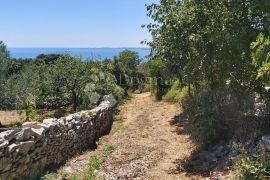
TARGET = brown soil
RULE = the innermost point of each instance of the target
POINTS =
(9, 117)
(146, 146)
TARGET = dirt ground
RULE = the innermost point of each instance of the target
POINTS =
(146, 146)
(9, 117)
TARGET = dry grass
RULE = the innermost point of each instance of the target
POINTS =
(8, 118)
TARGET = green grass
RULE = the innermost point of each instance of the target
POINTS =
(108, 149)
(118, 120)
(96, 162)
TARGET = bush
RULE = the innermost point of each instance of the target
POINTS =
(119, 93)
(30, 112)
(178, 94)
(61, 112)
(175, 91)
(207, 125)
(247, 166)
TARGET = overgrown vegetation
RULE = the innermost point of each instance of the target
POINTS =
(94, 164)
(212, 57)
(252, 166)
(215, 54)
(63, 84)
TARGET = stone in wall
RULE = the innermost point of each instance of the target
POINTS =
(26, 152)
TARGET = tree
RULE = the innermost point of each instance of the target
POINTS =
(70, 76)
(261, 60)
(4, 62)
(206, 44)
(126, 67)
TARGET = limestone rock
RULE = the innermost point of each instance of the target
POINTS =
(32, 125)
(5, 164)
(24, 134)
(9, 135)
(22, 147)
(109, 98)
(49, 123)
(26, 152)
(12, 147)
(4, 144)
(69, 117)
(38, 132)
(266, 142)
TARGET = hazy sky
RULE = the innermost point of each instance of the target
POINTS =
(73, 23)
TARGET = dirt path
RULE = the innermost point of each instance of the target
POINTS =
(145, 147)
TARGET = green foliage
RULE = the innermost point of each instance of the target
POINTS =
(179, 94)
(158, 70)
(71, 76)
(119, 93)
(206, 44)
(251, 167)
(4, 62)
(261, 61)
(206, 123)
(48, 59)
(108, 149)
(94, 164)
(128, 62)
(61, 112)
(30, 113)
(186, 92)
(17, 89)
(59, 82)
(126, 69)
(174, 93)
(201, 43)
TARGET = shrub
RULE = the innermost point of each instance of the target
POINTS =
(255, 167)
(207, 125)
(108, 149)
(60, 113)
(175, 91)
(178, 94)
(30, 112)
(119, 92)
(94, 164)
(147, 88)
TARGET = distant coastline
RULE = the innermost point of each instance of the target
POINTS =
(85, 53)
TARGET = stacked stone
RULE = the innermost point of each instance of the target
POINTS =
(26, 152)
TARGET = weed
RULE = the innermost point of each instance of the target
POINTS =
(94, 164)
(255, 167)
(108, 149)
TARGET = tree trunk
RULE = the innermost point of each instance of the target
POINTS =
(74, 100)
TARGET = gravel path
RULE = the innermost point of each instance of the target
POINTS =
(146, 147)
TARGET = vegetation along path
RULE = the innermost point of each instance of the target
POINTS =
(145, 145)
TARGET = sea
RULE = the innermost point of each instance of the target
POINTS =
(84, 53)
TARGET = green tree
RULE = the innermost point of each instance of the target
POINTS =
(4, 63)
(70, 76)
(261, 61)
(125, 69)
(206, 44)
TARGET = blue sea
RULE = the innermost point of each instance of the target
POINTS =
(85, 53)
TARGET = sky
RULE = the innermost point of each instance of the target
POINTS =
(73, 23)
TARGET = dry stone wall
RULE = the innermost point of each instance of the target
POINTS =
(26, 152)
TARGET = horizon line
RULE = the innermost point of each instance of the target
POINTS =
(79, 47)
